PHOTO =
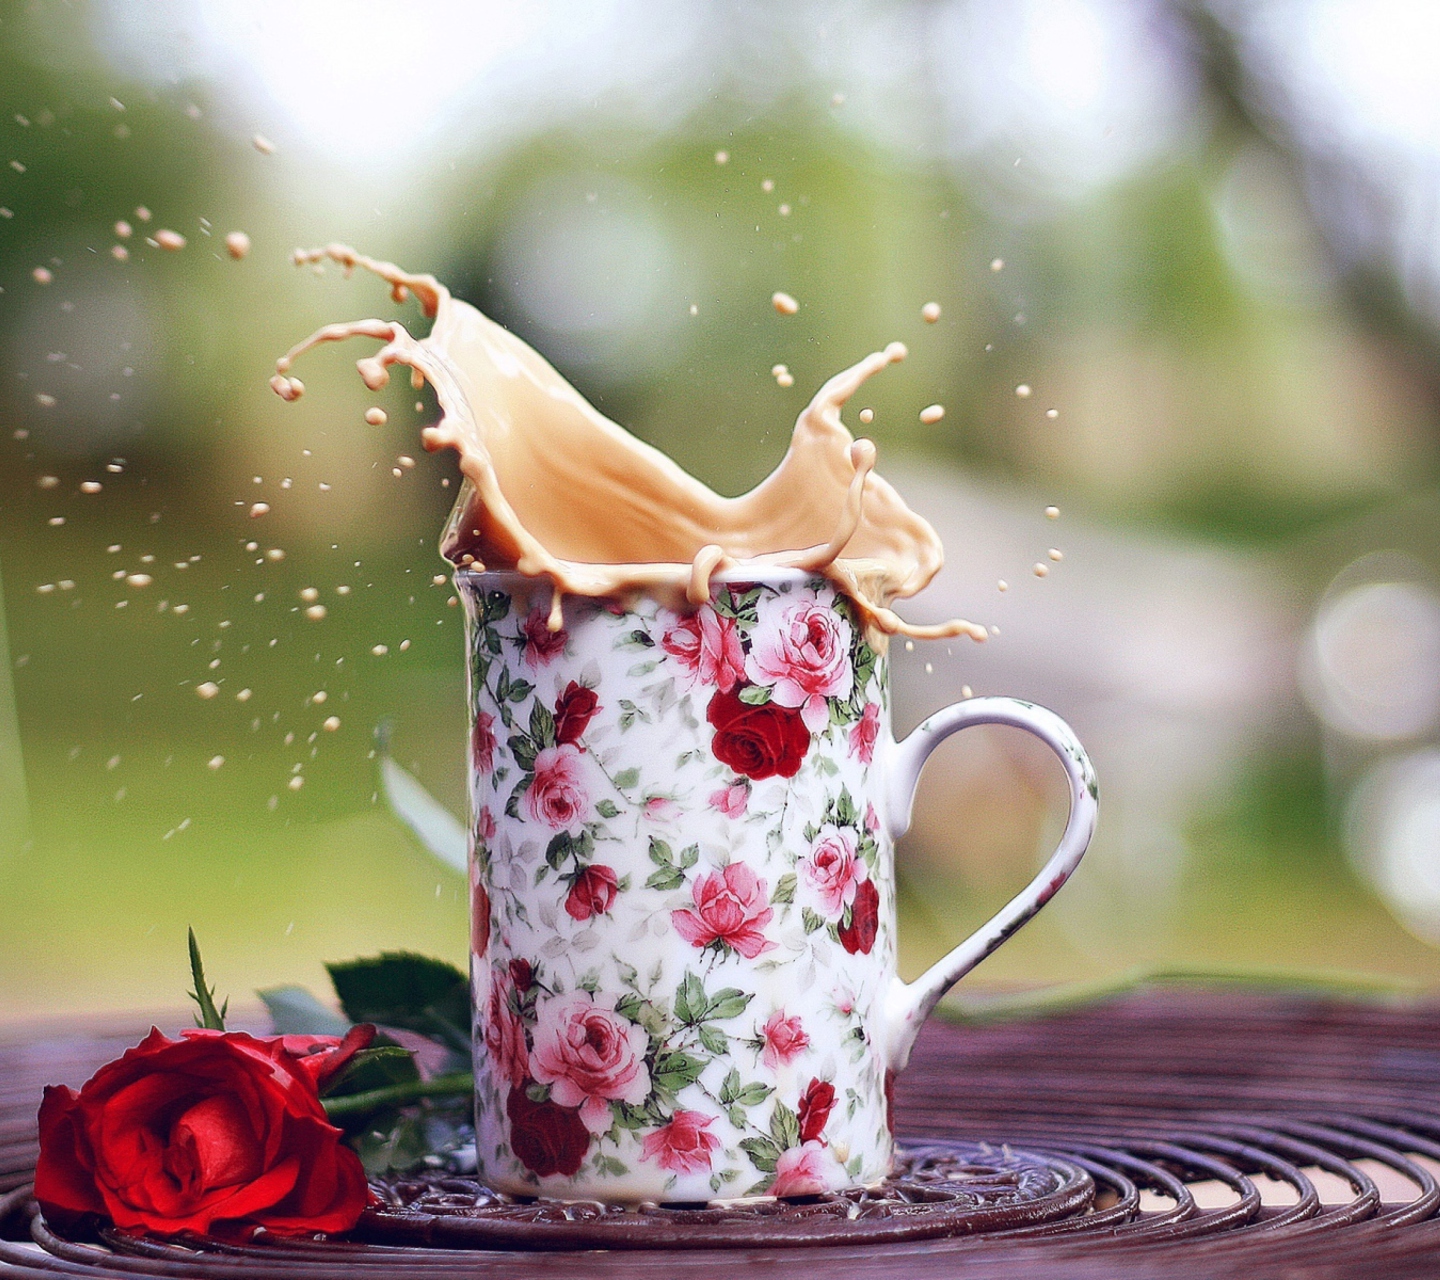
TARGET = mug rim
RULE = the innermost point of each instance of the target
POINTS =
(761, 574)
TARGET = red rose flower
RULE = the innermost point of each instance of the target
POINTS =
(176, 1135)
(542, 646)
(592, 893)
(482, 742)
(685, 1145)
(522, 974)
(707, 647)
(546, 1137)
(573, 712)
(859, 934)
(815, 1104)
(760, 742)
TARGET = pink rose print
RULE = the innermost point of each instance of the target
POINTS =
(559, 795)
(505, 1034)
(872, 819)
(865, 733)
(660, 808)
(484, 825)
(707, 646)
(831, 870)
(482, 742)
(730, 910)
(800, 1171)
(731, 800)
(589, 1056)
(683, 1145)
(593, 892)
(542, 646)
(800, 651)
(784, 1040)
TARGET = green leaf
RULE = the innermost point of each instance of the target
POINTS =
(660, 853)
(715, 1040)
(607, 809)
(524, 749)
(378, 1067)
(495, 605)
(735, 1116)
(627, 778)
(729, 1002)
(210, 1017)
(730, 1086)
(638, 640)
(763, 1153)
(755, 695)
(811, 921)
(412, 992)
(628, 1006)
(785, 1126)
(675, 1070)
(542, 724)
(393, 1146)
(690, 1000)
(689, 855)
(520, 690)
(665, 879)
(295, 1012)
(562, 845)
(752, 1095)
(784, 890)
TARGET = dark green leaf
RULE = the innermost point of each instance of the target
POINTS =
(638, 639)
(295, 1012)
(762, 1152)
(524, 749)
(755, 695)
(400, 989)
(375, 1068)
(628, 1006)
(561, 846)
(520, 690)
(542, 724)
(209, 1016)
(675, 1070)
(395, 1144)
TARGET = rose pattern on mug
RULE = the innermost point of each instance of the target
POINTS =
(672, 1017)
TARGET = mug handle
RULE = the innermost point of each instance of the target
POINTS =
(910, 1003)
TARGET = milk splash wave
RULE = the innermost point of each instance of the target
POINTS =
(555, 490)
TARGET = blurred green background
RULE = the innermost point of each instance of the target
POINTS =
(1186, 259)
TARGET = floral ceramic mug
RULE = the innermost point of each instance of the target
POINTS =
(683, 896)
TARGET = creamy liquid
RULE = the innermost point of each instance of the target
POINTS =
(557, 491)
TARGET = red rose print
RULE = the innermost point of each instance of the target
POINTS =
(479, 916)
(545, 1137)
(730, 910)
(872, 819)
(784, 1039)
(176, 1135)
(859, 935)
(592, 893)
(800, 651)
(559, 793)
(800, 1171)
(707, 646)
(484, 826)
(683, 1145)
(542, 646)
(815, 1104)
(573, 712)
(482, 742)
(731, 800)
(504, 1032)
(760, 742)
(522, 974)
(866, 733)
(589, 1055)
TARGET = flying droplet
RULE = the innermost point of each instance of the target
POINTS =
(216, 761)
(258, 509)
(331, 724)
(207, 690)
(90, 486)
(997, 264)
(1041, 570)
(262, 144)
(932, 413)
(316, 612)
(296, 782)
(138, 580)
(1003, 585)
(930, 312)
(767, 185)
(722, 157)
(143, 213)
(43, 275)
(380, 650)
(376, 416)
(123, 230)
(171, 240)
(244, 695)
(784, 303)
(120, 253)
(1056, 554)
(237, 244)
(867, 416)
(1023, 391)
(1052, 414)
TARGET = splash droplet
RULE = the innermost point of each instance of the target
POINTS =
(376, 416)
(784, 303)
(932, 413)
(930, 312)
(207, 690)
